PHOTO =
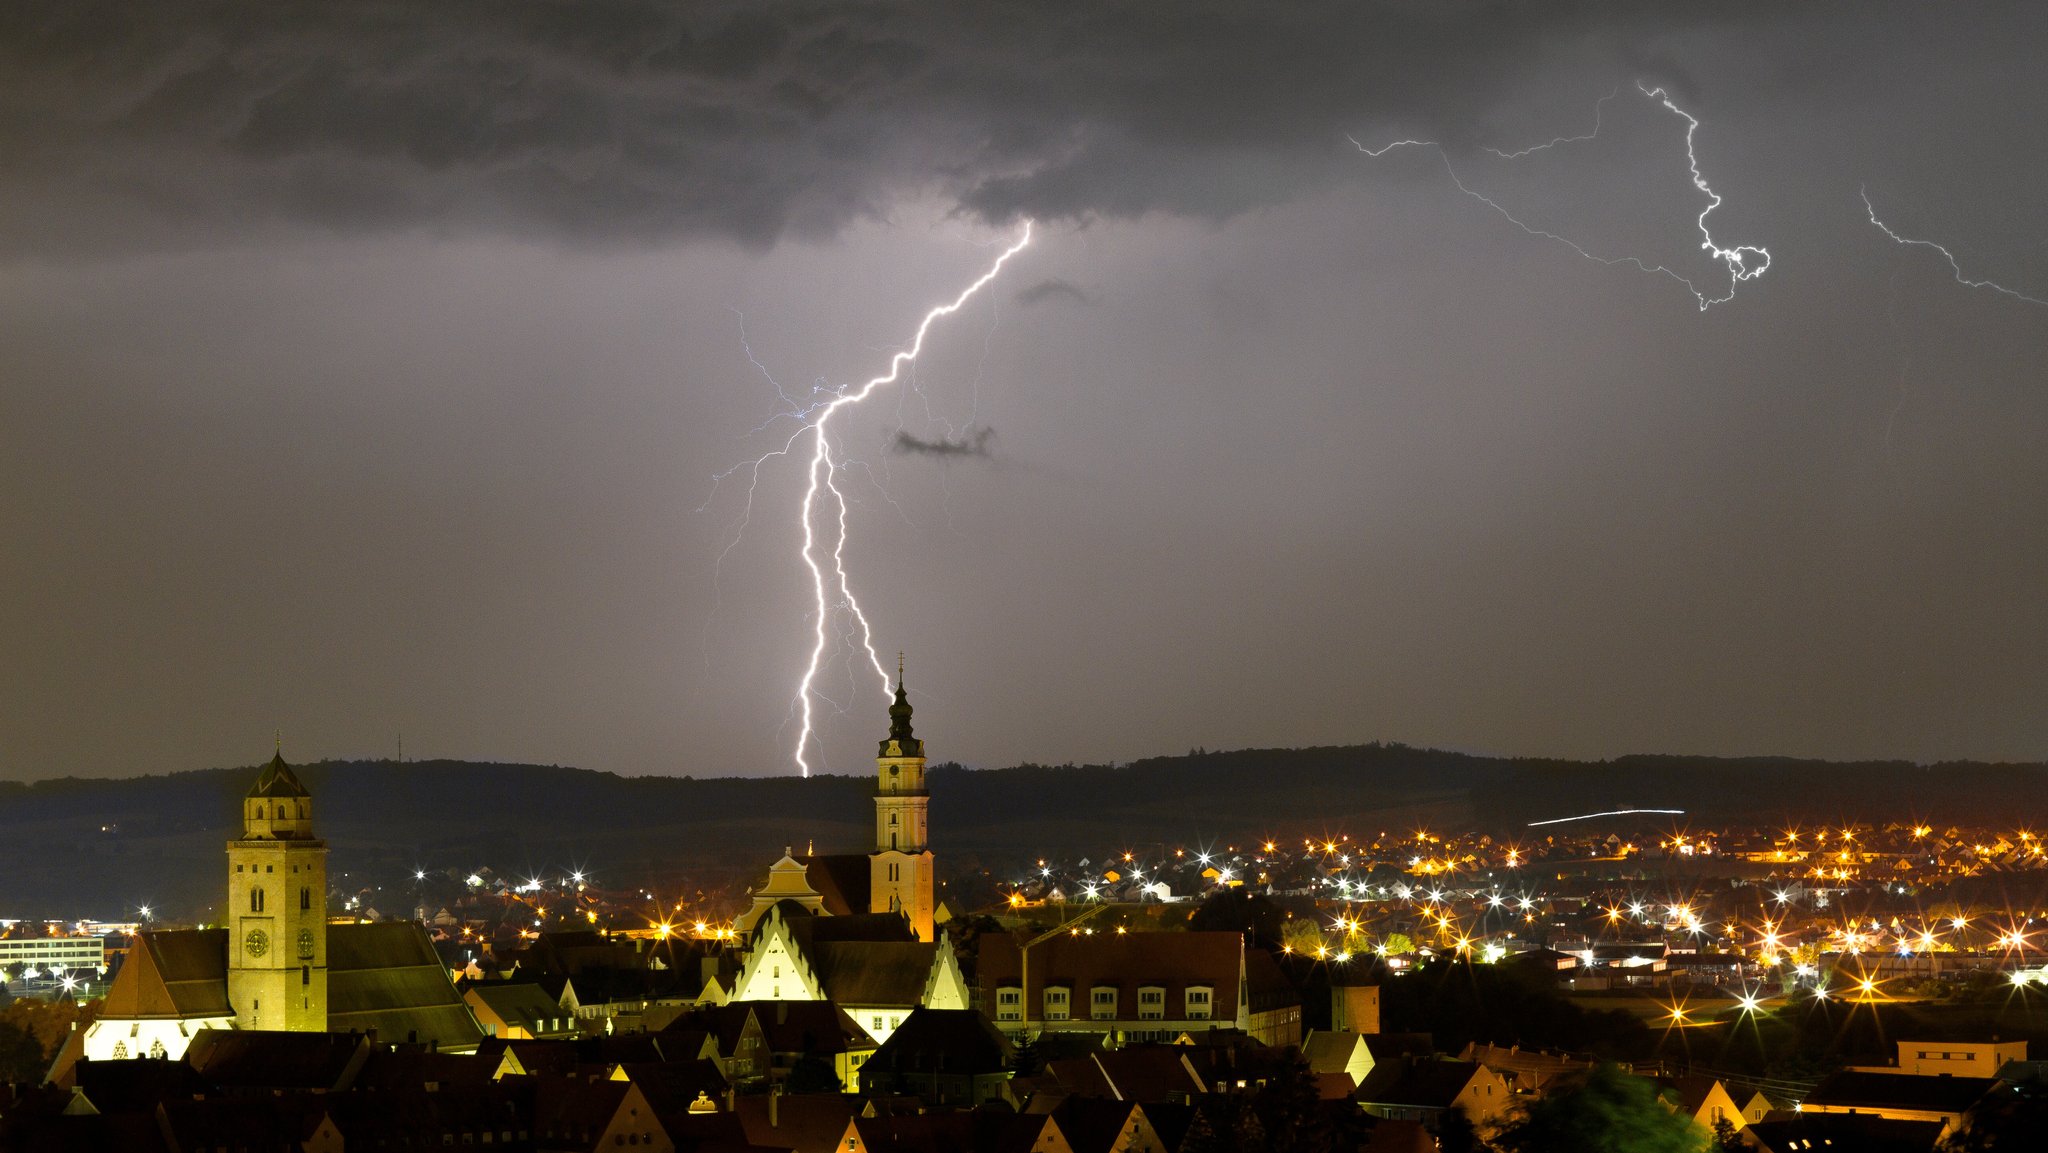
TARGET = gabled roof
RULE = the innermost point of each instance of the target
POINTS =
(517, 1003)
(982, 1130)
(413, 1066)
(1330, 1052)
(1531, 1067)
(806, 1123)
(1691, 1090)
(950, 1040)
(1126, 961)
(387, 977)
(1844, 1133)
(273, 1059)
(1392, 1046)
(1418, 1084)
(286, 1122)
(894, 927)
(1093, 1124)
(575, 1110)
(844, 880)
(857, 973)
(135, 1085)
(1900, 1091)
(412, 1117)
(1144, 1073)
(806, 1027)
(179, 974)
(671, 1086)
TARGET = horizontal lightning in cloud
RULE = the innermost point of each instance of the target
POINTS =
(1743, 261)
(1608, 813)
(1953, 265)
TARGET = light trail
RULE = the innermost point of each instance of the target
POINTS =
(1954, 265)
(1608, 813)
(1743, 261)
(822, 473)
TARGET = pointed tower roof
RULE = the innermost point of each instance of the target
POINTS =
(901, 742)
(278, 780)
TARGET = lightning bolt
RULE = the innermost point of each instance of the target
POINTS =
(1953, 265)
(831, 584)
(1743, 261)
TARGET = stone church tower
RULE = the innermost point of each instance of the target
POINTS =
(901, 865)
(276, 915)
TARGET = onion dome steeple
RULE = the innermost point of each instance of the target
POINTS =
(901, 741)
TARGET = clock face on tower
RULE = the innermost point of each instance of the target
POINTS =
(257, 942)
(305, 944)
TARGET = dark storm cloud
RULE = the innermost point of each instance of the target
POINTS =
(975, 442)
(1052, 289)
(129, 123)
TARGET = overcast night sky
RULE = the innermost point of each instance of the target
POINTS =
(371, 367)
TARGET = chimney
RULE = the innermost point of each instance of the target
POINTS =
(774, 1106)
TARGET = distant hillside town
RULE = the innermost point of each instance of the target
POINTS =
(1844, 985)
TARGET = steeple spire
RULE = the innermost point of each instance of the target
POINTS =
(901, 741)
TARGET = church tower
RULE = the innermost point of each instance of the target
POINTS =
(277, 908)
(901, 865)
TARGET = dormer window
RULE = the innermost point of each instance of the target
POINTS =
(1056, 1004)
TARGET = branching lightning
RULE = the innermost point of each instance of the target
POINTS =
(1954, 266)
(831, 586)
(1743, 261)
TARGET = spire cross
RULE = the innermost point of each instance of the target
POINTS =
(899, 668)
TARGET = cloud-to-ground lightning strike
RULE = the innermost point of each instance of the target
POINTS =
(1953, 265)
(1743, 261)
(821, 472)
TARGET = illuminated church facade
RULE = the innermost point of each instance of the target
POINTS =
(273, 962)
(896, 876)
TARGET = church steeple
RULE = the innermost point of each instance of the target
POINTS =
(901, 742)
(901, 869)
(277, 907)
(277, 806)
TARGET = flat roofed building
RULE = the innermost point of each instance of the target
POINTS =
(54, 956)
(1133, 986)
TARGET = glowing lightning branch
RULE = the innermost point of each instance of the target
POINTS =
(822, 473)
(1744, 262)
(1954, 267)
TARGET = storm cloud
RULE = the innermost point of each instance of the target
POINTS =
(974, 442)
(125, 123)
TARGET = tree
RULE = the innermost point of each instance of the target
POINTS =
(1727, 1139)
(1455, 1132)
(1302, 935)
(1242, 911)
(1609, 1111)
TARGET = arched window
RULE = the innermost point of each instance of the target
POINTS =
(892, 820)
(305, 898)
(255, 900)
